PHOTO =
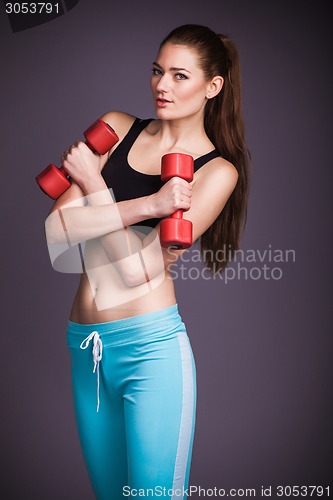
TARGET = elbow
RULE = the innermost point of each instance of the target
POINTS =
(50, 232)
(132, 271)
(53, 232)
(134, 277)
(141, 275)
(146, 266)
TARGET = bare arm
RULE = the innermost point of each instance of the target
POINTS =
(77, 222)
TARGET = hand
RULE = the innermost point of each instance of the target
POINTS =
(81, 163)
(174, 195)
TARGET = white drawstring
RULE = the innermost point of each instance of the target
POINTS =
(97, 355)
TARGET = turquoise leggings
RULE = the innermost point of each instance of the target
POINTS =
(134, 388)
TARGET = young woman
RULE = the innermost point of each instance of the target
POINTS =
(130, 352)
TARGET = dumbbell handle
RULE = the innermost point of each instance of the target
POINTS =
(178, 214)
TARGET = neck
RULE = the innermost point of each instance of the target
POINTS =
(189, 132)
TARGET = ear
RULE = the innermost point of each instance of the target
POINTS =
(214, 87)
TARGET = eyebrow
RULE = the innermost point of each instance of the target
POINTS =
(171, 69)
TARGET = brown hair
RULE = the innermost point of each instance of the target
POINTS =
(224, 126)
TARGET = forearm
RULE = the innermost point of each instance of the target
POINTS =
(77, 224)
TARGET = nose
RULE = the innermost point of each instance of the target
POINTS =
(163, 84)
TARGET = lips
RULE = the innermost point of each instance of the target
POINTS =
(162, 102)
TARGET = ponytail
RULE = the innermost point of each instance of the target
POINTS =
(225, 128)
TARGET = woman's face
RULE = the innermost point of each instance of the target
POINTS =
(178, 83)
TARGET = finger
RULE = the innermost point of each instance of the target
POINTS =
(64, 156)
(185, 204)
(182, 200)
(178, 181)
(180, 185)
(184, 183)
(186, 191)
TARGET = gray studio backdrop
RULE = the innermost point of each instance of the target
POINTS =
(261, 336)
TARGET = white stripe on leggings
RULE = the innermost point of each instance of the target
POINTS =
(186, 422)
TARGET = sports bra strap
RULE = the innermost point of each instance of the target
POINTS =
(202, 160)
(137, 126)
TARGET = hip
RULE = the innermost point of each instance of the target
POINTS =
(162, 324)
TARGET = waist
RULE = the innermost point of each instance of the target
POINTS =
(165, 322)
(101, 306)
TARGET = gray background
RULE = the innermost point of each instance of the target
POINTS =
(263, 347)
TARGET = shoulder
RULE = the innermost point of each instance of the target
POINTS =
(121, 122)
(217, 170)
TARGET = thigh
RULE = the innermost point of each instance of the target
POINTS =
(160, 414)
(102, 433)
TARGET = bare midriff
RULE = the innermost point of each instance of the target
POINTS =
(103, 296)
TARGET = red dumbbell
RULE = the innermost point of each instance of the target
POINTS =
(100, 137)
(176, 231)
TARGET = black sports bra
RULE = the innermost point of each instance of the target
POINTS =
(126, 182)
